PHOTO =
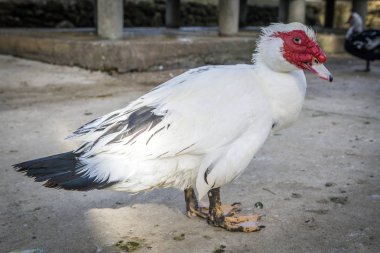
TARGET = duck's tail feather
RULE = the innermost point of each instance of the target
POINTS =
(61, 171)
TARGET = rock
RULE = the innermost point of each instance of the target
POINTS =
(296, 195)
(329, 184)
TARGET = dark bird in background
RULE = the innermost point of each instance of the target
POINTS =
(362, 44)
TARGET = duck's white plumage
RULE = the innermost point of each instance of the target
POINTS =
(200, 128)
(193, 123)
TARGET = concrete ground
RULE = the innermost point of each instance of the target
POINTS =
(318, 180)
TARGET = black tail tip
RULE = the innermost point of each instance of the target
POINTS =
(61, 171)
(19, 167)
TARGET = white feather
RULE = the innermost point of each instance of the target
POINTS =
(210, 123)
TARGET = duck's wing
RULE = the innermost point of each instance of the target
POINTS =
(95, 128)
(198, 111)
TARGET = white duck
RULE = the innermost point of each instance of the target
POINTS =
(198, 130)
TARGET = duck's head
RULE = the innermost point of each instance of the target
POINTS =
(354, 19)
(288, 47)
(356, 25)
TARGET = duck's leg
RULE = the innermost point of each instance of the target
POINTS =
(192, 207)
(234, 223)
(367, 67)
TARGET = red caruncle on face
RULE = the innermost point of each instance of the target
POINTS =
(298, 49)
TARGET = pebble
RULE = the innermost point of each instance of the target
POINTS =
(259, 205)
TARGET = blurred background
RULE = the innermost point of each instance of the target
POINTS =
(151, 13)
(68, 23)
(25, 25)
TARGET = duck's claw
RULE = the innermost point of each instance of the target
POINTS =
(240, 219)
(238, 223)
(194, 212)
(247, 226)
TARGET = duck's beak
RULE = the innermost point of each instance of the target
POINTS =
(320, 70)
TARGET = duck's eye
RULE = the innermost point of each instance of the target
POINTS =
(297, 40)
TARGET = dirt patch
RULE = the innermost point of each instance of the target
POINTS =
(130, 245)
(180, 237)
(339, 200)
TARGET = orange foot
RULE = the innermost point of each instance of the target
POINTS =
(221, 215)
(238, 223)
(228, 217)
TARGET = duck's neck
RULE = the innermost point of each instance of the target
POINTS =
(285, 92)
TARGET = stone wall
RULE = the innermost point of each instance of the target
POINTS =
(373, 18)
(47, 13)
(67, 14)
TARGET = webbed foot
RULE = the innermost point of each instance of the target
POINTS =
(230, 221)
(221, 215)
